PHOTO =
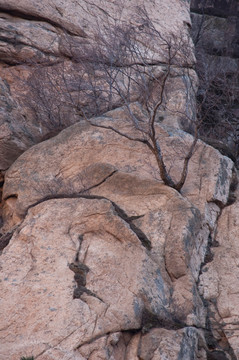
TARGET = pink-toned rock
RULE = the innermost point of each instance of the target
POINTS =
(219, 281)
(105, 259)
(77, 18)
(165, 344)
(40, 40)
(86, 160)
(51, 33)
(48, 310)
(142, 249)
(115, 297)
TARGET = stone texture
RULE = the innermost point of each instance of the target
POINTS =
(219, 35)
(169, 345)
(13, 141)
(74, 17)
(84, 299)
(222, 8)
(54, 32)
(25, 41)
(46, 295)
(219, 280)
(65, 165)
(99, 259)
(42, 283)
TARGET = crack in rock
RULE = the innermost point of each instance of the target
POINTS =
(139, 233)
(80, 270)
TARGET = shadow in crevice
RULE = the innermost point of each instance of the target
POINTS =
(4, 238)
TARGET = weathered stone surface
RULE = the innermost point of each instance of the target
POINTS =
(215, 30)
(74, 17)
(66, 165)
(36, 268)
(13, 141)
(91, 182)
(104, 261)
(49, 33)
(27, 41)
(218, 36)
(169, 345)
(219, 280)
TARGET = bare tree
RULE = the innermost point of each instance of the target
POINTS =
(218, 91)
(119, 67)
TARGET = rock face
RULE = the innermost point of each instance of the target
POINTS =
(100, 259)
(40, 47)
(103, 251)
(220, 288)
(13, 141)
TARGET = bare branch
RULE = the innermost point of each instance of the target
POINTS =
(124, 64)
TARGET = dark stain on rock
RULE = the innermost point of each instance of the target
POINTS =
(164, 320)
(80, 271)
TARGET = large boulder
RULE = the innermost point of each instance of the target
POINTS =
(65, 165)
(106, 257)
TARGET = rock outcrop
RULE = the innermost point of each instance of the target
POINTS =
(39, 47)
(103, 251)
(100, 259)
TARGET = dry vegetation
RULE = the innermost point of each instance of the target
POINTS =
(122, 68)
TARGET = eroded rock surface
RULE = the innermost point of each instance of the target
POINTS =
(39, 47)
(99, 259)
(103, 251)
(219, 280)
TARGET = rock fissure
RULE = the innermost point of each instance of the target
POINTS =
(12, 196)
(101, 182)
(80, 272)
(139, 233)
(142, 237)
(5, 239)
(215, 347)
(43, 352)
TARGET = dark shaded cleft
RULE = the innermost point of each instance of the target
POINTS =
(140, 234)
(5, 239)
(81, 271)
(152, 320)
